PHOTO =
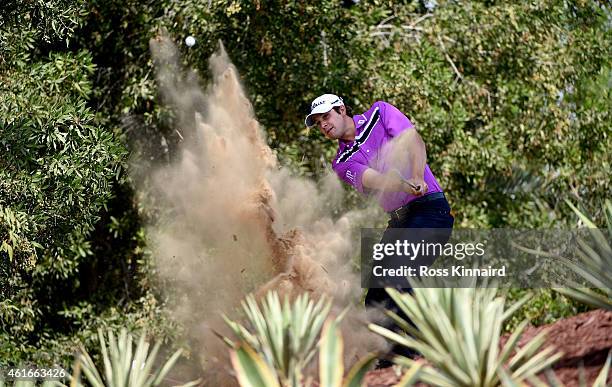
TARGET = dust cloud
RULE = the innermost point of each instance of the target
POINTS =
(237, 222)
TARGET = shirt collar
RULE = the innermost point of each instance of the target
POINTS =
(343, 143)
(359, 120)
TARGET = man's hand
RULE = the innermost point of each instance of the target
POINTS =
(416, 186)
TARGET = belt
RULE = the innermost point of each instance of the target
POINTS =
(403, 210)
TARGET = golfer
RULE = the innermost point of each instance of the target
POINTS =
(368, 146)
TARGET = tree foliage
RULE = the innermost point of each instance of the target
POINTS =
(58, 168)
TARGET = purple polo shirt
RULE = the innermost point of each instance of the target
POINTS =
(374, 129)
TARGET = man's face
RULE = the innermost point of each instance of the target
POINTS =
(331, 124)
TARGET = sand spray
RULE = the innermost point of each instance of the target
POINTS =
(241, 223)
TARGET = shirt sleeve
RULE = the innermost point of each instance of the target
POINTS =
(394, 121)
(352, 173)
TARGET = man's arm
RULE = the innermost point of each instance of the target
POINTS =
(411, 143)
(418, 155)
(388, 182)
(392, 182)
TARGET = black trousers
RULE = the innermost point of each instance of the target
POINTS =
(416, 226)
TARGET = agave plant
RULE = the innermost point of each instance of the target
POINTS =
(31, 383)
(458, 331)
(124, 366)
(285, 335)
(553, 381)
(600, 381)
(252, 371)
(596, 263)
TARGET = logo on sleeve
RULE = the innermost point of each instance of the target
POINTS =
(351, 176)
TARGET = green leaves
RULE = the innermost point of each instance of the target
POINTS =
(523, 101)
(253, 371)
(285, 335)
(458, 332)
(331, 362)
(57, 172)
(331, 368)
(595, 262)
(56, 159)
(125, 366)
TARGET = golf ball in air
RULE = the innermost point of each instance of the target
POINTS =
(190, 41)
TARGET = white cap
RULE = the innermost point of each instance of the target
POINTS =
(322, 104)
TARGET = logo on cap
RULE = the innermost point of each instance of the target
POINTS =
(315, 104)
